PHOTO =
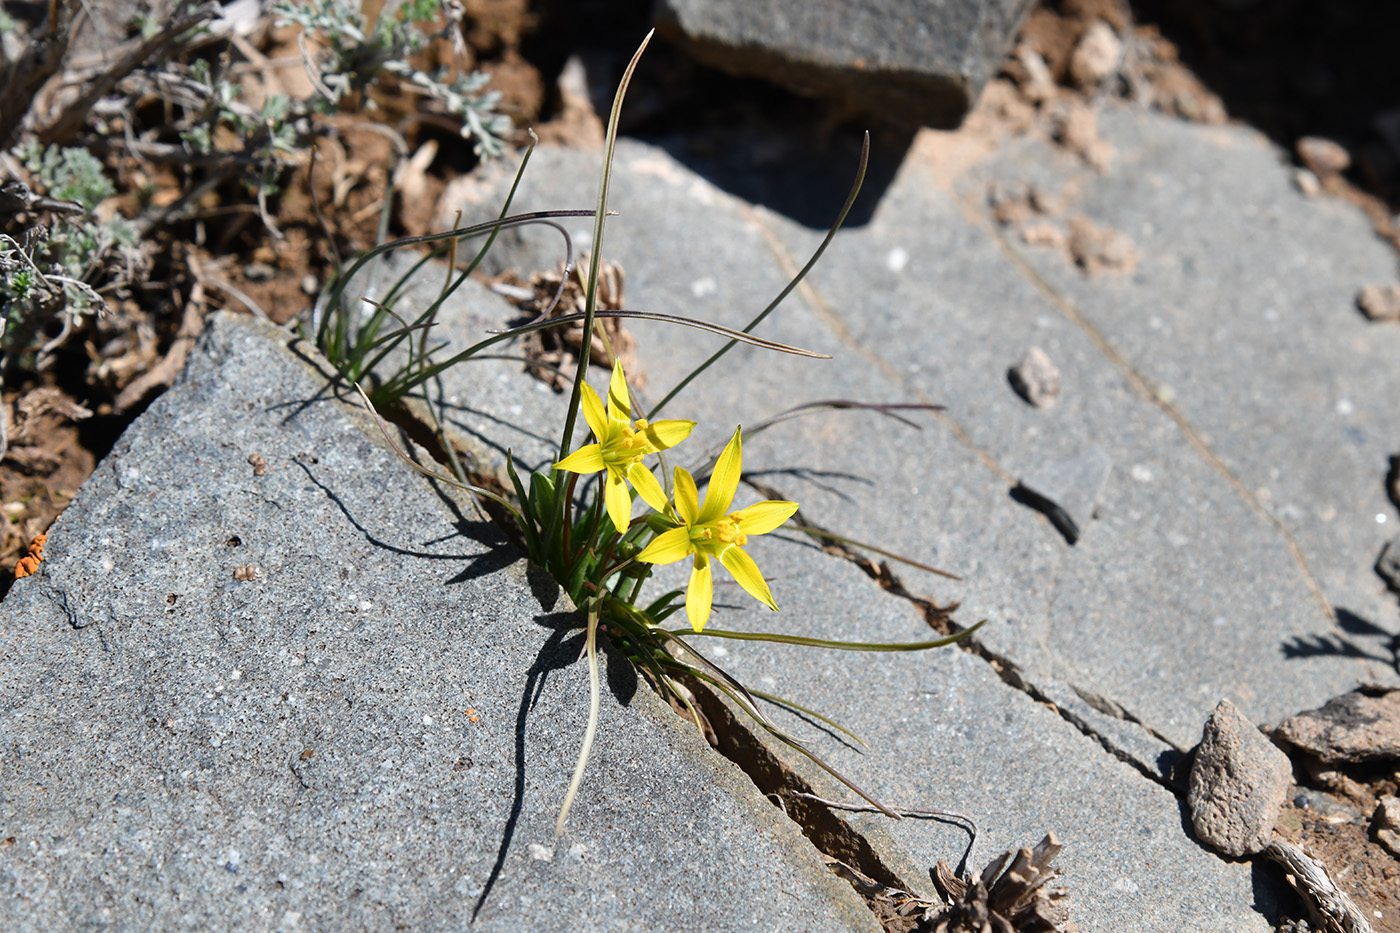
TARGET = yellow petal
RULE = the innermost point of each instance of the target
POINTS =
(700, 594)
(747, 573)
(724, 482)
(762, 517)
(663, 435)
(593, 412)
(687, 499)
(648, 487)
(618, 501)
(619, 406)
(668, 547)
(587, 459)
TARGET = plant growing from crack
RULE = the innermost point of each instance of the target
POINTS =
(591, 544)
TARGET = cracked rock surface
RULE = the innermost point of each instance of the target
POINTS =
(1230, 557)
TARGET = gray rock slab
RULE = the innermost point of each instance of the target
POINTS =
(1068, 491)
(908, 61)
(1185, 593)
(375, 731)
(1241, 317)
(945, 732)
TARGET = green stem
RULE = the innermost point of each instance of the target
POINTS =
(831, 234)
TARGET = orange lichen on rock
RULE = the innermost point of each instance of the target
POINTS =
(30, 562)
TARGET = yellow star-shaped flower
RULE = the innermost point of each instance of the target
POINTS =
(621, 445)
(712, 531)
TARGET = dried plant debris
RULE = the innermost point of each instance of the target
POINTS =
(897, 909)
(553, 352)
(1329, 908)
(1014, 898)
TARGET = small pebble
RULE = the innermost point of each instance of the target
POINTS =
(1307, 182)
(1096, 57)
(1035, 378)
(1323, 156)
(1380, 302)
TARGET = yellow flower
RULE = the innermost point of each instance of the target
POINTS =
(621, 445)
(712, 531)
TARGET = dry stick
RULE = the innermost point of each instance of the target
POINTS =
(71, 119)
(960, 818)
(1330, 908)
(40, 60)
(164, 372)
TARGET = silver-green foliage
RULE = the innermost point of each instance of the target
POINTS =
(356, 53)
(54, 268)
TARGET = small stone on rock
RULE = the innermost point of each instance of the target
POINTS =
(1386, 823)
(1096, 57)
(1100, 249)
(1323, 156)
(1035, 378)
(1353, 727)
(1239, 783)
(1307, 182)
(1380, 302)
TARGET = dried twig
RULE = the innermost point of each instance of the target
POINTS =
(67, 124)
(164, 372)
(1328, 905)
(41, 58)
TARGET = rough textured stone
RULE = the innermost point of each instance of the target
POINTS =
(1355, 727)
(1035, 378)
(1386, 823)
(1238, 784)
(374, 732)
(1380, 302)
(908, 61)
(1096, 56)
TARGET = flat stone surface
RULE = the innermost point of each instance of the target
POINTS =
(944, 732)
(1241, 317)
(908, 61)
(1068, 491)
(1184, 594)
(374, 732)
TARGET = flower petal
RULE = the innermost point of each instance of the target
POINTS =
(663, 435)
(700, 594)
(593, 412)
(687, 499)
(619, 406)
(587, 459)
(648, 487)
(724, 482)
(762, 517)
(668, 547)
(737, 562)
(618, 500)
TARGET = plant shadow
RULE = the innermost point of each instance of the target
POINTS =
(1385, 645)
(563, 648)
